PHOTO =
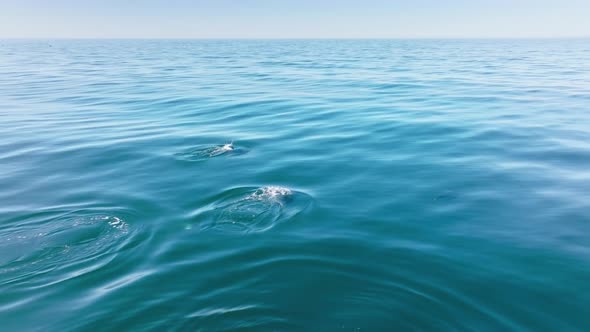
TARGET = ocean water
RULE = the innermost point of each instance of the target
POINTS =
(327, 185)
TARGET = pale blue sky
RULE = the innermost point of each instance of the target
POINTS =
(294, 18)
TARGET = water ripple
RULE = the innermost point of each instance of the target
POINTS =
(250, 209)
(63, 243)
(205, 152)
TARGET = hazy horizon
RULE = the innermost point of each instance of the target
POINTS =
(298, 38)
(305, 19)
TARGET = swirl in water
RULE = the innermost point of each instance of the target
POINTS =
(71, 243)
(253, 209)
(203, 153)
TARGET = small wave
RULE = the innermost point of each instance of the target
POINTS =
(206, 152)
(253, 209)
(67, 243)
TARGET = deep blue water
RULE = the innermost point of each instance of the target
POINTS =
(409, 185)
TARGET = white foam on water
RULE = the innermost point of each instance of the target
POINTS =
(251, 209)
(222, 149)
(272, 193)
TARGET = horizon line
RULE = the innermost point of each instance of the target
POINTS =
(299, 38)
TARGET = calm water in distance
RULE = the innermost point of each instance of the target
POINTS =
(327, 185)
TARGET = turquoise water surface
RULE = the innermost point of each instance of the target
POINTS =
(287, 185)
